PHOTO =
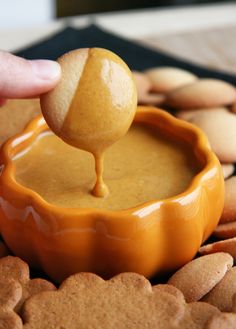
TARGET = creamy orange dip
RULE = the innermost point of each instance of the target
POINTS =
(142, 166)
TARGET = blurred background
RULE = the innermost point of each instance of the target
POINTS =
(38, 12)
(77, 7)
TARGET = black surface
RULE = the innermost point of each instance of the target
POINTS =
(136, 56)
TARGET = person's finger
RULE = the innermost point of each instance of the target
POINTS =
(21, 78)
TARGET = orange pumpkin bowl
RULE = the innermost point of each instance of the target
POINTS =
(152, 238)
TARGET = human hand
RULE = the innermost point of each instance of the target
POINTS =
(21, 78)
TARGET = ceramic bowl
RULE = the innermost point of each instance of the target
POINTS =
(151, 238)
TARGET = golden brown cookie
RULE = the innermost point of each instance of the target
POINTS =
(229, 211)
(16, 269)
(96, 93)
(165, 79)
(220, 128)
(86, 301)
(222, 321)
(221, 295)
(204, 93)
(225, 231)
(198, 277)
(15, 115)
(226, 246)
(10, 295)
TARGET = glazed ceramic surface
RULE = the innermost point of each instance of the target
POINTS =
(151, 238)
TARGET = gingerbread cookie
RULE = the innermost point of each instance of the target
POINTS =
(16, 269)
(86, 301)
(198, 277)
(229, 211)
(222, 321)
(15, 115)
(227, 246)
(165, 79)
(204, 93)
(200, 313)
(10, 295)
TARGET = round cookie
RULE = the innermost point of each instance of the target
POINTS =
(221, 295)
(198, 277)
(142, 82)
(165, 79)
(94, 103)
(204, 93)
(151, 99)
(229, 211)
(220, 128)
(189, 114)
(226, 246)
(225, 231)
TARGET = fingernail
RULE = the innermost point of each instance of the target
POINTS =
(45, 69)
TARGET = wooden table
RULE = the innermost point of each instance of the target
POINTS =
(204, 34)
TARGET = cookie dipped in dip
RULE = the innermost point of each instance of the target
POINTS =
(93, 105)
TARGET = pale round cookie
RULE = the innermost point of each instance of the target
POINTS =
(226, 246)
(225, 231)
(189, 114)
(203, 93)
(198, 277)
(165, 79)
(228, 169)
(220, 128)
(142, 82)
(222, 294)
(229, 211)
(94, 103)
(151, 99)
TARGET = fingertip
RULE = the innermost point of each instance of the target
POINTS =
(46, 69)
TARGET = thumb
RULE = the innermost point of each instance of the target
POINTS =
(21, 78)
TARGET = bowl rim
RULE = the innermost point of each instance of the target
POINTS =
(38, 125)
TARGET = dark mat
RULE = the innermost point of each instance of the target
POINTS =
(136, 56)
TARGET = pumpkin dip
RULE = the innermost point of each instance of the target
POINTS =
(142, 166)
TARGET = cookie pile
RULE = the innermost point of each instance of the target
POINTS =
(202, 294)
